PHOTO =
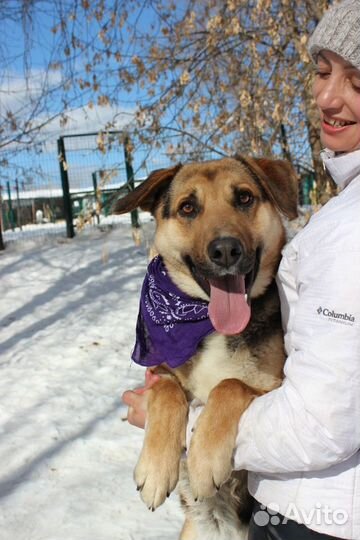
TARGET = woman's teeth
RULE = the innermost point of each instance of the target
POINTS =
(338, 123)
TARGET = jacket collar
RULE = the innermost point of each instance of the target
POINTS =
(343, 168)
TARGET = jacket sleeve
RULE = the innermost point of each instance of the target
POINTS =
(313, 420)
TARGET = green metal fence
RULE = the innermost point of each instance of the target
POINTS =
(67, 184)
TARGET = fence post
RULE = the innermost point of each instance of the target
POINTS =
(66, 189)
(2, 245)
(11, 211)
(130, 180)
(18, 206)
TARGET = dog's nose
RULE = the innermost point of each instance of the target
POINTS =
(225, 251)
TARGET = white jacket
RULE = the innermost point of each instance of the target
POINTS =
(302, 441)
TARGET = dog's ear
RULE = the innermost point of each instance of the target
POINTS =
(281, 184)
(148, 193)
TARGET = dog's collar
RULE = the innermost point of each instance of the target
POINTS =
(170, 323)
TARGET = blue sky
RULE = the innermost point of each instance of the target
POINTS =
(40, 166)
(18, 95)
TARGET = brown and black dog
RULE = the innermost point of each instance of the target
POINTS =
(220, 234)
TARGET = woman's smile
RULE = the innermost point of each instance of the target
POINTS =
(337, 94)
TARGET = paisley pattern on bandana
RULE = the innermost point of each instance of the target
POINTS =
(170, 323)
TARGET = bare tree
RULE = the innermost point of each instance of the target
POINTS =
(229, 75)
(33, 95)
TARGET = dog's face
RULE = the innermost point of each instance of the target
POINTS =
(219, 229)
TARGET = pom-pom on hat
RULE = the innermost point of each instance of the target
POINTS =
(339, 32)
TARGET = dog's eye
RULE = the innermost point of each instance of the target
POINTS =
(244, 198)
(188, 209)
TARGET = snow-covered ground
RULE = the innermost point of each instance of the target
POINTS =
(67, 316)
(34, 232)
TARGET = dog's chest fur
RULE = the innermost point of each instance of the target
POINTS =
(250, 356)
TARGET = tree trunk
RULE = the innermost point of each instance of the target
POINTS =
(285, 144)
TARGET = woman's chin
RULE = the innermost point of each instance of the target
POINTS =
(340, 143)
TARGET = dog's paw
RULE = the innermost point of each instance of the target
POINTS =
(157, 471)
(156, 474)
(209, 461)
(211, 448)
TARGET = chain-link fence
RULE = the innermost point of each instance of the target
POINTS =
(31, 199)
(64, 185)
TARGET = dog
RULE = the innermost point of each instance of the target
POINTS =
(219, 236)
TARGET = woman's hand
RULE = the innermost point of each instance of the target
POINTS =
(136, 400)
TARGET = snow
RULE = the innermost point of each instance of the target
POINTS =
(68, 310)
(67, 316)
(35, 233)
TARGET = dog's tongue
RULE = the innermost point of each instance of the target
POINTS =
(229, 311)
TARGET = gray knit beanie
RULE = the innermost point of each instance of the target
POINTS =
(339, 32)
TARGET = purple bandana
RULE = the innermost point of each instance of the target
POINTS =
(170, 323)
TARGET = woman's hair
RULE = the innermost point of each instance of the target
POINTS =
(339, 32)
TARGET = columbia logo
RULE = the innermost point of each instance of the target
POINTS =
(330, 314)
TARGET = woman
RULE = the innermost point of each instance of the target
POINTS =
(300, 442)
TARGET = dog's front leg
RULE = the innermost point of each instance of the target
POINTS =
(157, 471)
(212, 444)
